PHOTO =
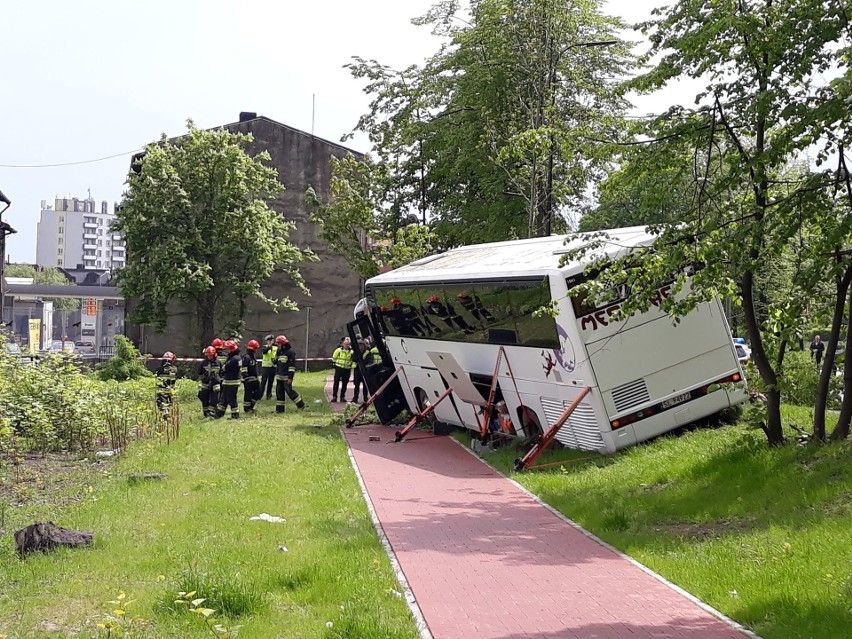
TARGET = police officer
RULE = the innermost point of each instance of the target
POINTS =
(248, 369)
(230, 381)
(285, 372)
(341, 359)
(209, 382)
(268, 355)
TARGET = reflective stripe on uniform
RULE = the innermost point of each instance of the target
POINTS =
(230, 382)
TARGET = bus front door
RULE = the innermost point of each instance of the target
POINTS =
(391, 402)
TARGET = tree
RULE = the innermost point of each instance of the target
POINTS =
(46, 276)
(358, 224)
(493, 135)
(199, 230)
(760, 109)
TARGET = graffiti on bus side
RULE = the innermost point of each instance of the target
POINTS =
(603, 317)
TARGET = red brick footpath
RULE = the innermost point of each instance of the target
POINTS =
(485, 560)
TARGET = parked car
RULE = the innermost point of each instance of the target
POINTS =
(12, 348)
(62, 347)
(743, 351)
(85, 348)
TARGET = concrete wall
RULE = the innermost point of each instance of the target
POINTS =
(301, 160)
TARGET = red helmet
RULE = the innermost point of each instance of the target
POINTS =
(210, 351)
(168, 355)
(395, 301)
(282, 340)
(384, 308)
(217, 344)
(461, 296)
(253, 345)
(433, 298)
(231, 346)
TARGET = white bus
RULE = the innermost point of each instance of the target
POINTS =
(444, 319)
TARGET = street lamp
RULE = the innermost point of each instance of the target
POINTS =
(5, 230)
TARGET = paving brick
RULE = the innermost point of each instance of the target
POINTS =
(486, 561)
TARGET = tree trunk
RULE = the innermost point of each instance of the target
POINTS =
(774, 432)
(841, 431)
(206, 312)
(821, 404)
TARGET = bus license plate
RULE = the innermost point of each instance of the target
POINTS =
(674, 401)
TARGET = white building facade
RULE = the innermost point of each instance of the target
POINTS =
(73, 234)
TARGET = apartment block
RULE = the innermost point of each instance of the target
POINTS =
(73, 234)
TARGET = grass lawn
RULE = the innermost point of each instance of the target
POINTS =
(763, 535)
(322, 573)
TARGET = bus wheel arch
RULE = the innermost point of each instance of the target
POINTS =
(529, 421)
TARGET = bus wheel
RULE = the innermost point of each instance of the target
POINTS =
(422, 404)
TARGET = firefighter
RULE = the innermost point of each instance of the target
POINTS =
(221, 358)
(209, 383)
(248, 369)
(230, 381)
(268, 367)
(285, 360)
(166, 377)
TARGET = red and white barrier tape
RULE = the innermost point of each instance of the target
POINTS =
(202, 359)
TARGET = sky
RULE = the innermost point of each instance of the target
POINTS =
(93, 79)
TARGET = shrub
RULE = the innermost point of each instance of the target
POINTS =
(799, 383)
(126, 364)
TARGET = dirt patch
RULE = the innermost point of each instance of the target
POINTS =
(705, 530)
(42, 484)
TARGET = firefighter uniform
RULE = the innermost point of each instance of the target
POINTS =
(166, 378)
(251, 386)
(285, 360)
(230, 385)
(209, 385)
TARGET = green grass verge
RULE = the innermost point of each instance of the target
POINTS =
(761, 534)
(322, 573)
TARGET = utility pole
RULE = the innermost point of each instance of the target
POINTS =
(5, 230)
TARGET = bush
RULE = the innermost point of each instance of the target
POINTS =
(124, 365)
(50, 404)
(800, 380)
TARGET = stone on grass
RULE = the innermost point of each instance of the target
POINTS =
(45, 536)
(145, 477)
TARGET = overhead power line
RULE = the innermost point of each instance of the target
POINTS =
(47, 166)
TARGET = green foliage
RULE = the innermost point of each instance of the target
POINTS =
(493, 135)
(20, 270)
(126, 364)
(199, 230)
(750, 213)
(49, 276)
(50, 404)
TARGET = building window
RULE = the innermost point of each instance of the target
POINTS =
(100, 242)
(59, 262)
(109, 243)
(61, 218)
(61, 230)
(100, 221)
(100, 231)
(59, 251)
(98, 253)
(98, 263)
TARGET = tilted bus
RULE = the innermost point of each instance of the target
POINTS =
(445, 318)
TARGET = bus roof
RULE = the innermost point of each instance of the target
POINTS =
(516, 258)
